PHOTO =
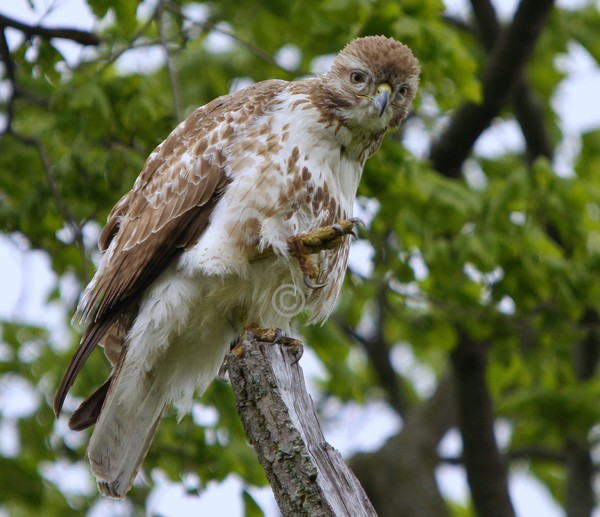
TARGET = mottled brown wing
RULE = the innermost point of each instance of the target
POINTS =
(165, 212)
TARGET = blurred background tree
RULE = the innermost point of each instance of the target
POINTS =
(472, 303)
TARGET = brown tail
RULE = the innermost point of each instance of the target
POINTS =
(89, 410)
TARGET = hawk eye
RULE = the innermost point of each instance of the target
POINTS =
(357, 77)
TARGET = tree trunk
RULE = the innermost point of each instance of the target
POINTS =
(486, 472)
(308, 476)
(580, 467)
(399, 478)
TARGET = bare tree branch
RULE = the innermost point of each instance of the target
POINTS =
(160, 14)
(500, 78)
(61, 206)
(250, 47)
(76, 35)
(526, 453)
(528, 111)
(133, 43)
(9, 66)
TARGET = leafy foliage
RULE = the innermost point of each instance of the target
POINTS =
(508, 255)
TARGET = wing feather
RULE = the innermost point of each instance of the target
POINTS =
(165, 212)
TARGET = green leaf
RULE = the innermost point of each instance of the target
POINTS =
(251, 507)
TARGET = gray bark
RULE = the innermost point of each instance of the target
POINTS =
(308, 476)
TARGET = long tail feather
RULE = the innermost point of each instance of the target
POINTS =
(124, 433)
(89, 410)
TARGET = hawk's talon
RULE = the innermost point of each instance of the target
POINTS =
(320, 239)
(271, 335)
(357, 220)
(296, 347)
(279, 335)
(268, 335)
(223, 369)
(234, 342)
(236, 347)
(338, 229)
(308, 282)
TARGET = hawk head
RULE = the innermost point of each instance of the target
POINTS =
(372, 83)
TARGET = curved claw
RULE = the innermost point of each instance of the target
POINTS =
(356, 220)
(297, 349)
(279, 335)
(338, 229)
(298, 357)
(308, 283)
(223, 370)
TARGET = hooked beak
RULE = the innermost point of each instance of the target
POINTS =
(382, 97)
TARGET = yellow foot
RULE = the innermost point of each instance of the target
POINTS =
(309, 243)
(276, 337)
(266, 335)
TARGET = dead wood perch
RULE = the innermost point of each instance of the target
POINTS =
(307, 475)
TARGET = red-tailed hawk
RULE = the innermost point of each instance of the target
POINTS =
(213, 226)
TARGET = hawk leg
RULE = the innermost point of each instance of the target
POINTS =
(310, 243)
(266, 335)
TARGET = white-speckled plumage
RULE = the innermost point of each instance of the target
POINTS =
(179, 276)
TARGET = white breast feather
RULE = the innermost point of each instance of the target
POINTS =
(195, 307)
